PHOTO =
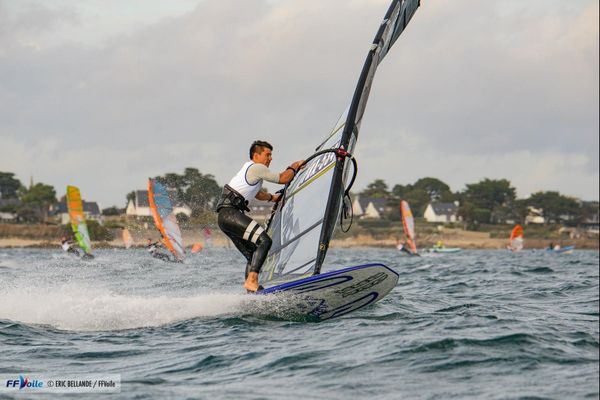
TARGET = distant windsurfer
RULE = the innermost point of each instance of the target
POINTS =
(246, 234)
(68, 247)
(153, 247)
(403, 247)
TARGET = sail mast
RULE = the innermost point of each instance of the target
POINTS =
(397, 17)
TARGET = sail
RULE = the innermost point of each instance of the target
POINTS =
(77, 217)
(516, 238)
(303, 224)
(164, 218)
(127, 239)
(408, 221)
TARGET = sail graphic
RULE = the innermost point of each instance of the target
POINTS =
(408, 222)
(127, 239)
(164, 218)
(303, 224)
(77, 217)
(516, 239)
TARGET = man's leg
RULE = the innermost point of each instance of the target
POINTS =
(249, 238)
(263, 244)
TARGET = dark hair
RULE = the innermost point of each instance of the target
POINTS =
(258, 146)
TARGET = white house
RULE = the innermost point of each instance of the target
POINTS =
(91, 210)
(8, 204)
(535, 216)
(441, 212)
(369, 207)
(140, 205)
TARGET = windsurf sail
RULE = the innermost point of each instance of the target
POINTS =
(516, 238)
(127, 239)
(77, 217)
(302, 225)
(164, 218)
(408, 221)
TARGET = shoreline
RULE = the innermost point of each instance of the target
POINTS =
(359, 241)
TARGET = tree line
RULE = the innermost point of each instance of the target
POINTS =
(488, 201)
(31, 204)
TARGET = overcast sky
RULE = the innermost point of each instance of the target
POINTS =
(102, 94)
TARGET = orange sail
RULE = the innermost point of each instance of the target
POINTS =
(408, 221)
(127, 239)
(164, 218)
(516, 239)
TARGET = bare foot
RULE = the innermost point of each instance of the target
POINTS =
(251, 283)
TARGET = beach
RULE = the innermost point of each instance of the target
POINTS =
(24, 236)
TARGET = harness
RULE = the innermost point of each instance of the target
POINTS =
(230, 198)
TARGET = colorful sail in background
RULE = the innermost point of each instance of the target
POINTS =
(408, 221)
(164, 218)
(127, 239)
(75, 207)
(516, 239)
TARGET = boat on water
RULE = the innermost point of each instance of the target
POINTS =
(444, 249)
(304, 218)
(440, 248)
(560, 250)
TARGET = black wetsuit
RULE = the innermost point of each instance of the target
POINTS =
(246, 234)
(153, 249)
(71, 249)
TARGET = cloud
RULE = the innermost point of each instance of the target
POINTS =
(473, 84)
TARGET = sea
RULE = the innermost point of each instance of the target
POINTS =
(478, 324)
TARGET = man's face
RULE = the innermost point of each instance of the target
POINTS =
(263, 157)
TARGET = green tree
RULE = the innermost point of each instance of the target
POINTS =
(37, 199)
(202, 191)
(555, 207)
(473, 215)
(488, 194)
(112, 211)
(130, 197)
(378, 188)
(199, 191)
(9, 185)
(434, 187)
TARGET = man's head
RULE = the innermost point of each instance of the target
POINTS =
(261, 152)
(148, 240)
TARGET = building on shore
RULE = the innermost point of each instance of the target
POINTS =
(442, 212)
(140, 205)
(370, 207)
(60, 212)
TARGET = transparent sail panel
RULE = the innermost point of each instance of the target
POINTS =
(302, 226)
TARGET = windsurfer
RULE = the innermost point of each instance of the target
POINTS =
(153, 247)
(246, 234)
(68, 247)
(402, 247)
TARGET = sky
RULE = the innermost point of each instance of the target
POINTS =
(103, 94)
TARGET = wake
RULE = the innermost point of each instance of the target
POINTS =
(79, 307)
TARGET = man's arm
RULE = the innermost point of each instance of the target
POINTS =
(260, 171)
(290, 172)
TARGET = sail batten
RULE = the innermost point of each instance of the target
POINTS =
(302, 226)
